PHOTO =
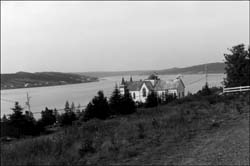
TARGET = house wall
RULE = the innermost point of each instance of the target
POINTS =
(180, 91)
(143, 99)
(137, 95)
(122, 90)
(172, 92)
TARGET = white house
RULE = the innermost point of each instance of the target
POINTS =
(139, 90)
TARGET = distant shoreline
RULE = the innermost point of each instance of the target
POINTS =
(3, 89)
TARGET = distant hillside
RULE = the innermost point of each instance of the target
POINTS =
(25, 80)
(197, 69)
(211, 68)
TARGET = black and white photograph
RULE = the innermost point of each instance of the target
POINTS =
(125, 83)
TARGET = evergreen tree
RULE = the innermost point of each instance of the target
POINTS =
(48, 117)
(131, 80)
(73, 108)
(67, 108)
(152, 100)
(97, 108)
(24, 123)
(115, 101)
(4, 118)
(123, 81)
(127, 103)
(237, 67)
(68, 117)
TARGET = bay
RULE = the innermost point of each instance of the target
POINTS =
(56, 96)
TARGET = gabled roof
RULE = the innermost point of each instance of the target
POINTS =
(136, 85)
(149, 85)
(160, 85)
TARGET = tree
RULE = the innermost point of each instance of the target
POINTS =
(73, 108)
(205, 91)
(152, 100)
(68, 117)
(25, 123)
(115, 101)
(48, 117)
(153, 77)
(4, 118)
(127, 103)
(131, 80)
(237, 67)
(66, 108)
(97, 108)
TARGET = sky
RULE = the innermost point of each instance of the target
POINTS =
(81, 36)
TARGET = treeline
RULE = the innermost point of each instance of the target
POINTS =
(21, 123)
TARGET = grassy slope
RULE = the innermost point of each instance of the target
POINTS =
(195, 132)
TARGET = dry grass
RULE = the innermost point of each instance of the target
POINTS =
(127, 139)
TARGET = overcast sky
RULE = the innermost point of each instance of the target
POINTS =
(107, 36)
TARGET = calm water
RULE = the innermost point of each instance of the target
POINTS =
(56, 96)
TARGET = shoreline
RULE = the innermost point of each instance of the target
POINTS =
(3, 89)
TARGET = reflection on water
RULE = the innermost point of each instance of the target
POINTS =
(56, 96)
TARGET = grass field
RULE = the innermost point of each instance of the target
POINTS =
(188, 132)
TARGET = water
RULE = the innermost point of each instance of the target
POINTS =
(56, 96)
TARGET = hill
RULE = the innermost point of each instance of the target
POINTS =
(25, 79)
(197, 69)
(201, 131)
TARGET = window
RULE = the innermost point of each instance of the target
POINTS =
(134, 95)
(144, 93)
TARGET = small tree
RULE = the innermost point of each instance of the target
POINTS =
(205, 91)
(48, 117)
(68, 117)
(4, 119)
(25, 123)
(152, 100)
(97, 108)
(127, 103)
(73, 108)
(115, 101)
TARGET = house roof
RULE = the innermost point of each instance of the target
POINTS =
(136, 85)
(160, 85)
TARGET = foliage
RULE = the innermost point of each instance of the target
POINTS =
(237, 66)
(127, 103)
(152, 100)
(68, 117)
(97, 108)
(48, 117)
(153, 77)
(205, 91)
(22, 124)
(115, 102)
